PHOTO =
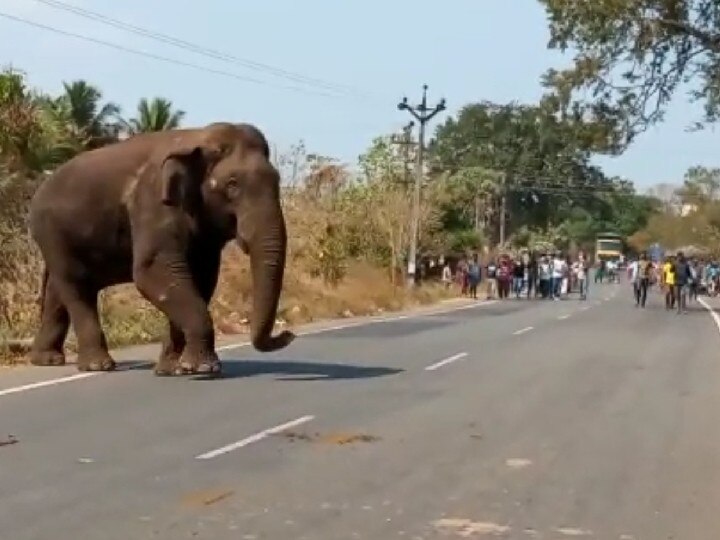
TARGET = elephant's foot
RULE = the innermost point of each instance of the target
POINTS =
(95, 362)
(206, 364)
(167, 365)
(47, 358)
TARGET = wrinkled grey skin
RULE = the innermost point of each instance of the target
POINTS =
(157, 210)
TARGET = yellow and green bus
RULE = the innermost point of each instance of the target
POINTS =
(609, 246)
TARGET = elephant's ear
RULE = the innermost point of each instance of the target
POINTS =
(181, 174)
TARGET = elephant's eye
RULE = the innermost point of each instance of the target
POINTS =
(232, 188)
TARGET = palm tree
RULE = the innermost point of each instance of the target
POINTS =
(155, 115)
(96, 123)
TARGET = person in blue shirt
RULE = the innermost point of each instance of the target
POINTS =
(683, 278)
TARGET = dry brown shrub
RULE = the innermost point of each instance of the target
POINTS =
(20, 265)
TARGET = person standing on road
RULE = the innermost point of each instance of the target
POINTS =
(447, 275)
(558, 273)
(581, 275)
(644, 272)
(532, 276)
(712, 272)
(681, 269)
(460, 273)
(473, 277)
(632, 274)
(668, 283)
(600, 271)
(544, 276)
(492, 279)
(519, 270)
(694, 284)
(504, 277)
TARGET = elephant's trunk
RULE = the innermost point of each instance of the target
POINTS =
(267, 260)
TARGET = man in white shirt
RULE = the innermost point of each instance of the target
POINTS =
(612, 271)
(545, 277)
(633, 275)
(558, 272)
(580, 269)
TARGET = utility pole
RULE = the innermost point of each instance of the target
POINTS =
(423, 114)
(406, 142)
(503, 209)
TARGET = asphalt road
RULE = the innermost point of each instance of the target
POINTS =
(513, 420)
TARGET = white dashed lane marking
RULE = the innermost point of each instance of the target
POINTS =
(255, 438)
(523, 330)
(446, 361)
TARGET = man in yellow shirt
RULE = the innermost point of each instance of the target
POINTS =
(668, 282)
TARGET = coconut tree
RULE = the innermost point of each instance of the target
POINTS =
(96, 123)
(156, 114)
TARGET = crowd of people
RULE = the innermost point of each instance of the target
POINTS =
(553, 276)
(680, 279)
(545, 275)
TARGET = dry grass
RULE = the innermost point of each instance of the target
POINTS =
(129, 319)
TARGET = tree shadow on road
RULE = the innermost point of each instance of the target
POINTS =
(299, 370)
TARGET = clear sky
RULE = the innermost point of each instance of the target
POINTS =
(465, 51)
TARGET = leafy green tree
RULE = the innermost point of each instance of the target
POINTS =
(387, 203)
(537, 160)
(630, 58)
(466, 203)
(701, 186)
(157, 114)
(540, 163)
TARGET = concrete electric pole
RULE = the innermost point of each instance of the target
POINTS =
(423, 114)
(405, 141)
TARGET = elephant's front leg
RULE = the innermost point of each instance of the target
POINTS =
(205, 268)
(173, 346)
(168, 284)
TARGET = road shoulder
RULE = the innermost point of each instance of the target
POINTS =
(128, 357)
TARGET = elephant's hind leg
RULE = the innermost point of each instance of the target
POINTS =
(81, 301)
(47, 349)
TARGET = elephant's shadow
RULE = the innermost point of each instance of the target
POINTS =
(295, 370)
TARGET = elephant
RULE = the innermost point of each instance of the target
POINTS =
(156, 210)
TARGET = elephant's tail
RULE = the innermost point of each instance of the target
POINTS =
(43, 290)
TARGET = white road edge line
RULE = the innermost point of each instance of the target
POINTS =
(523, 330)
(711, 311)
(50, 382)
(367, 322)
(255, 438)
(69, 378)
(135, 365)
(446, 361)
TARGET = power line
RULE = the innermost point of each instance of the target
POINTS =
(198, 49)
(163, 58)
